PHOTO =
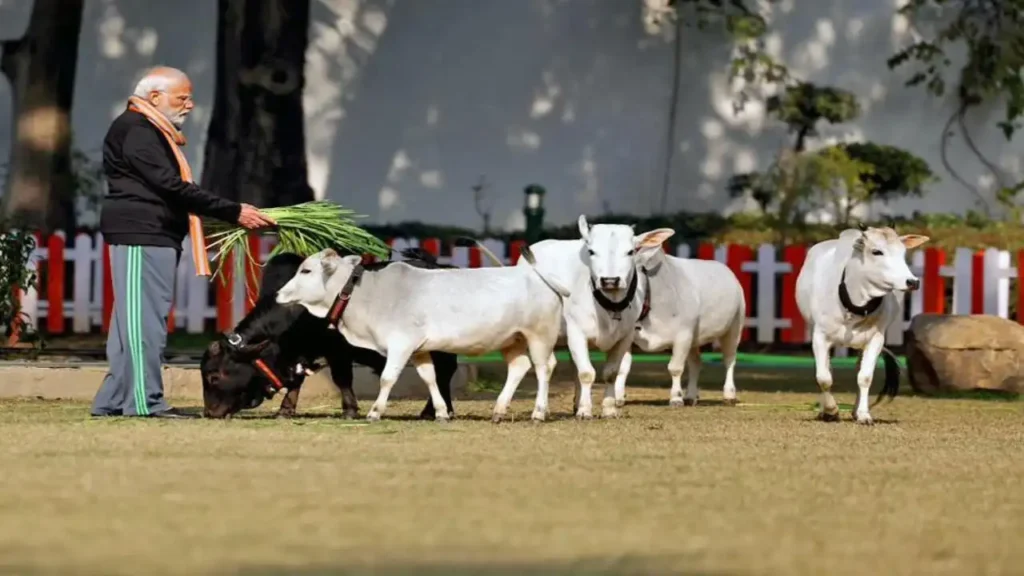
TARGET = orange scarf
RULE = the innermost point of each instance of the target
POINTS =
(176, 140)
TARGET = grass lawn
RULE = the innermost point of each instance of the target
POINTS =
(760, 488)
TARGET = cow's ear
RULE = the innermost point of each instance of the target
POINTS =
(858, 244)
(912, 241)
(584, 228)
(652, 238)
(329, 267)
(256, 349)
(647, 257)
(353, 260)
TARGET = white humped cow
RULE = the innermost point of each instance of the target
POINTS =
(405, 312)
(691, 302)
(849, 291)
(601, 271)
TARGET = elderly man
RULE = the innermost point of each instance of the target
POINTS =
(150, 206)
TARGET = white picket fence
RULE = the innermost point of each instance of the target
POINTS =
(196, 300)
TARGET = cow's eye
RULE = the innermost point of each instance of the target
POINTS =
(876, 252)
(591, 252)
(631, 252)
(305, 271)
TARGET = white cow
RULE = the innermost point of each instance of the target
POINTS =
(850, 290)
(691, 302)
(601, 271)
(402, 311)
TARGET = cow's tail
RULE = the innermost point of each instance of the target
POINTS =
(551, 282)
(487, 251)
(417, 254)
(892, 376)
(527, 255)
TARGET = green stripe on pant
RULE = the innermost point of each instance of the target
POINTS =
(135, 327)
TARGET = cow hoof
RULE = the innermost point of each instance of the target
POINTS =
(285, 414)
(497, 418)
(427, 415)
(584, 415)
(610, 412)
(826, 417)
(865, 420)
(730, 402)
(349, 414)
(442, 418)
(373, 416)
(620, 402)
(690, 401)
(675, 402)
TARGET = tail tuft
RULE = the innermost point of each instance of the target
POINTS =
(892, 377)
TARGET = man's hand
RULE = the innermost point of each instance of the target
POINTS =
(251, 218)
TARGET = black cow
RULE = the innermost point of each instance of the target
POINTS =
(286, 338)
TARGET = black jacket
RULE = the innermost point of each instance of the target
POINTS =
(147, 202)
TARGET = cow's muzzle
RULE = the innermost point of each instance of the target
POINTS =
(913, 284)
(610, 283)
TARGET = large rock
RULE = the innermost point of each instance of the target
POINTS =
(947, 353)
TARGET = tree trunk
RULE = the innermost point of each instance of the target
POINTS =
(256, 149)
(40, 190)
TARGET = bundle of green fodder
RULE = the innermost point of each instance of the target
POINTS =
(304, 229)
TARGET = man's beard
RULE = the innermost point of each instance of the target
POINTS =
(176, 118)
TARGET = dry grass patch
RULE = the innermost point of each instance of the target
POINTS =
(760, 488)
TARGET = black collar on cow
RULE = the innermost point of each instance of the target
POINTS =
(647, 298)
(844, 298)
(341, 300)
(616, 308)
(235, 340)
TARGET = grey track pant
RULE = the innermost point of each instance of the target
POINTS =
(143, 278)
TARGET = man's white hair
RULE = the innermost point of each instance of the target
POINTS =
(159, 80)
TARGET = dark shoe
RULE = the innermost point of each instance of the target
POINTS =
(171, 413)
(106, 414)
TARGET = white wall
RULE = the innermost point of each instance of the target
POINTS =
(409, 102)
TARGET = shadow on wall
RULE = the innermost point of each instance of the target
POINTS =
(451, 90)
(573, 94)
(409, 103)
(846, 45)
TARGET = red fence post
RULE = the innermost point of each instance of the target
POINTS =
(706, 251)
(108, 288)
(431, 246)
(934, 295)
(978, 282)
(225, 293)
(797, 331)
(55, 283)
(515, 250)
(1020, 286)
